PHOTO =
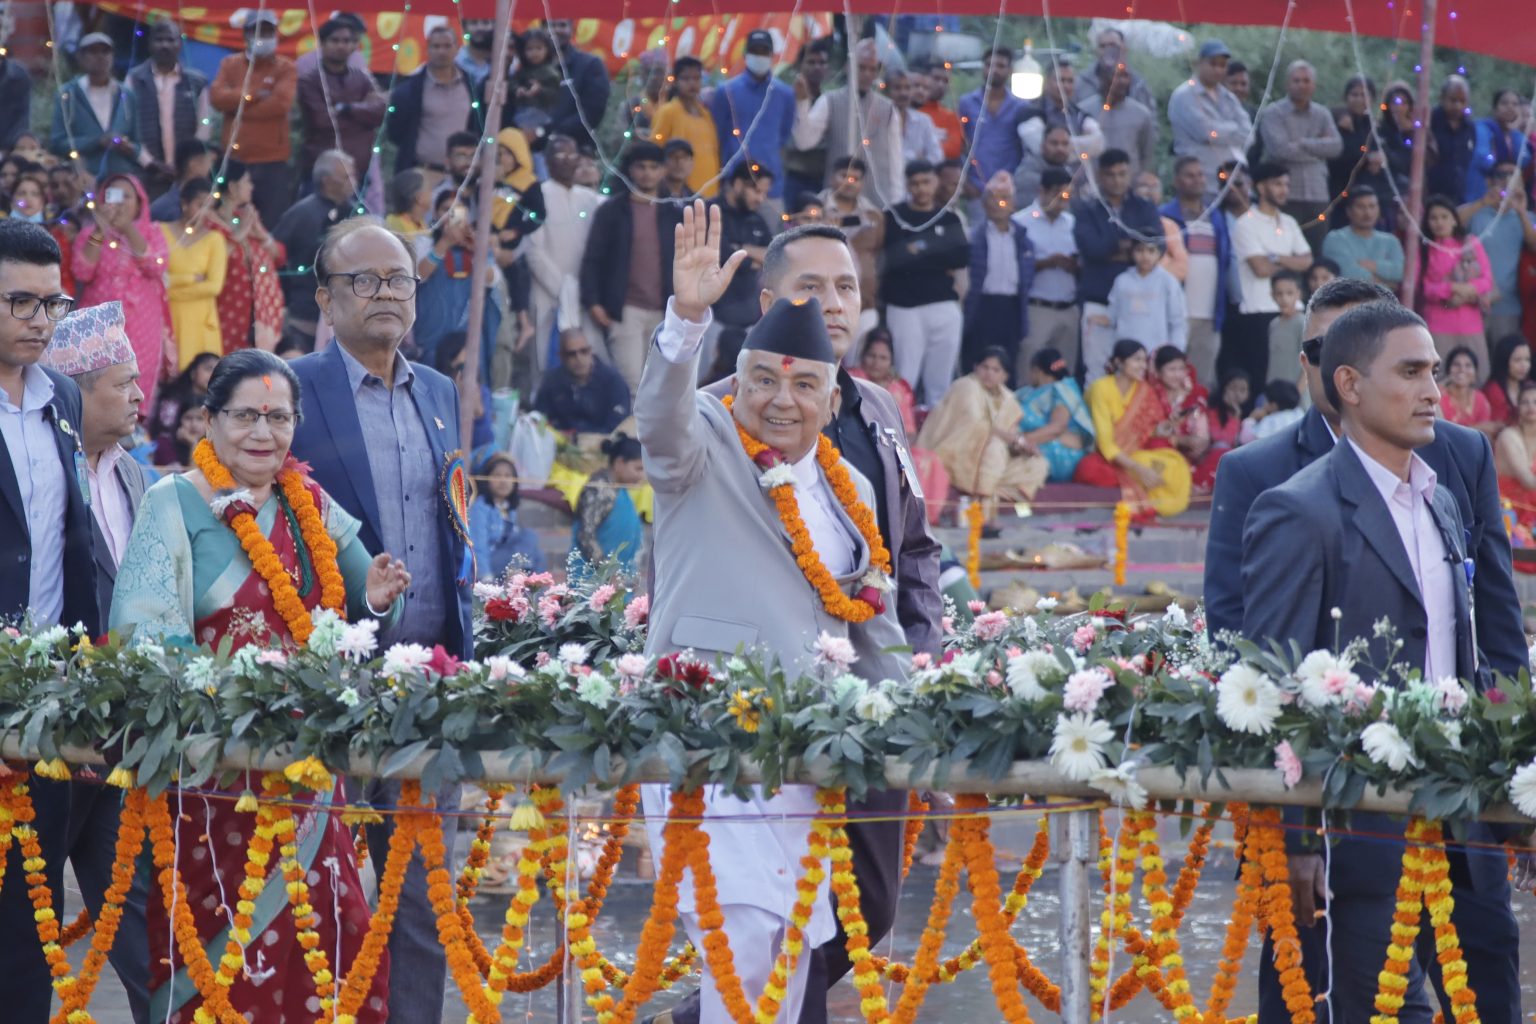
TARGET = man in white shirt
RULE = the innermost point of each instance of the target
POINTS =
(1053, 315)
(554, 257)
(919, 138)
(1264, 240)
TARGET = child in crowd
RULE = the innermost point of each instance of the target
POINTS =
(1146, 303)
(536, 81)
(1281, 411)
(493, 525)
(1285, 330)
(1320, 273)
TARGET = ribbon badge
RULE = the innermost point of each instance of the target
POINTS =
(456, 494)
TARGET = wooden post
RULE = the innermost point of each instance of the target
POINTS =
(1422, 112)
(1072, 847)
(495, 94)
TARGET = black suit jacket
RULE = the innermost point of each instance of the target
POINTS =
(1462, 460)
(128, 475)
(80, 605)
(404, 119)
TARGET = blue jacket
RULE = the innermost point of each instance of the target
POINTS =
(1223, 230)
(80, 602)
(330, 439)
(1325, 540)
(1099, 238)
(1493, 146)
(735, 105)
(76, 130)
(497, 541)
(1026, 257)
(1462, 460)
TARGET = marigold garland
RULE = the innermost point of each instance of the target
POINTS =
(578, 920)
(912, 830)
(838, 604)
(305, 919)
(975, 519)
(1245, 912)
(1266, 843)
(450, 930)
(987, 909)
(1439, 903)
(1164, 920)
(1117, 865)
(1393, 979)
(845, 890)
(77, 929)
(925, 964)
(39, 892)
(263, 556)
(480, 846)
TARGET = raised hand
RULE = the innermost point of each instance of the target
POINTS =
(387, 580)
(698, 279)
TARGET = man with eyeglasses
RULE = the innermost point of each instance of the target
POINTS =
(1463, 464)
(379, 432)
(582, 395)
(48, 574)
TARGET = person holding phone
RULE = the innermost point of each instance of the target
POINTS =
(121, 255)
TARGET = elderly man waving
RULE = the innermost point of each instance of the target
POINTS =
(733, 571)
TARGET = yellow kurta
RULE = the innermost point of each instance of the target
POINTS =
(959, 431)
(674, 122)
(1107, 406)
(194, 278)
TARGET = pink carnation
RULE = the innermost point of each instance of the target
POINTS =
(1084, 689)
(601, 596)
(540, 579)
(637, 611)
(994, 678)
(277, 659)
(549, 610)
(1084, 637)
(921, 660)
(976, 607)
(1336, 681)
(990, 626)
(1287, 764)
(947, 623)
(1360, 698)
(541, 659)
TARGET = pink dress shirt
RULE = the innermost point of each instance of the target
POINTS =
(108, 502)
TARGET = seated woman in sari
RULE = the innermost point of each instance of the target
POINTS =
(607, 523)
(188, 575)
(1131, 428)
(974, 430)
(877, 364)
(1184, 401)
(1056, 419)
(1515, 458)
(1228, 408)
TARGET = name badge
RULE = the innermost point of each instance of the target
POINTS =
(82, 478)
(908, 468)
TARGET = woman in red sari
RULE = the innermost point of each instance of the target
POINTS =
(251, 302)
(1185, 399)
(1131, 433)
(1508, 370)
(1224, 425)
(188, 576)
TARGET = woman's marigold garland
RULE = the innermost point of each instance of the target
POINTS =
(263, 556)
(838, 604)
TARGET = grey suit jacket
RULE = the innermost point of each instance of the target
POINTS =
(914, 552)
(725, 576)
(130, 476)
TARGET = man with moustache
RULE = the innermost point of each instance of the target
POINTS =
(380, 433)
(1462, 461)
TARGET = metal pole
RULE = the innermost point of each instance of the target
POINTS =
(1072, 847)
(1420, 154)
(494, 95)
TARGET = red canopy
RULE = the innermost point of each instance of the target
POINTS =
(1498, 28)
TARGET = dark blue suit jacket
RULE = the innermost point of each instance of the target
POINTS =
(1462, 460)
(15, 540)
(1325, 540)
(330, 439)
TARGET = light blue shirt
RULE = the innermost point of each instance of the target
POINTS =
(1347, 249)
(1050, 238)
(40, 476)
(1502, 240)
(1149, 309)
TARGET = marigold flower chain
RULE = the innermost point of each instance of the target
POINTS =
(450, 929)
(845, 890)
(1266, 844)
(912, 830)
(305, 918)
(1245, 913)
(975, 520)
(39, 892)
(365, 966)
(987, 909)
(925, 964)
(1439, 904)
(1164, 919)
(77, 929)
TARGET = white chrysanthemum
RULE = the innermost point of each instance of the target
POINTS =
(1046, 604)
(777, 476)
(1522, 790)
(359, 640)
(243, 661)
(967, 666)
(499, 667)
(328, 628)
(488, 591)
(835, 652)
(1385, 745)
(403, 658)
(1120, 785)
(875, 706)
(1024, 672)
(349, 697)
(595, 689)
(573, 654)
(847, 685)
(202, 672)
(1247, 700)
(49, 637)
(1077, 748)
(1452, 695)
(1174, 617)
(1451, 730)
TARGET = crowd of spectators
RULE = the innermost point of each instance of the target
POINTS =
(1105, 334)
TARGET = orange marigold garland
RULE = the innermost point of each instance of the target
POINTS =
(845, 890)
(38, 890)
(1439, 903)
(1266, 843)
(868, 603)
(305, 918)
(365, 967)
(1245, 912)
(1164, 920)
(912, 829)
(987, 909)
(263, 556)
(450, 930)
(1393, 979)
(926, 963)
(975, 520)
(578, 920)
(77, 929)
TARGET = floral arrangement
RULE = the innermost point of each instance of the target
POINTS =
(560, 686)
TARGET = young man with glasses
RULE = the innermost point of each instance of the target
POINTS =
(379, 433)
(48, 575)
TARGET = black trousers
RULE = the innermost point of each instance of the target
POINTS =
(271, 191)
(1245, 346)
(995, 324)
(77, 822)
(876, 848)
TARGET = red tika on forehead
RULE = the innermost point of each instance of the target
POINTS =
(787, 362)
(267, 380)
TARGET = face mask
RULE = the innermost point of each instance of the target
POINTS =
(263, 47)
(30, 218)
(758, 65)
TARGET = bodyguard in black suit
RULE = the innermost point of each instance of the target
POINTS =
(1325, 540)
(47, 567)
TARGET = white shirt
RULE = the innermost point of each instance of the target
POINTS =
(1409, 503)
(1050, 238)
(554, 254)
(1204, 270)
(1254, 234)
(109, 504)
(1002, 262)
(678, 341)
(40, 476)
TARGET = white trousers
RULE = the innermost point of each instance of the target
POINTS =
(630, 340)
(927, 343)
(755, 936)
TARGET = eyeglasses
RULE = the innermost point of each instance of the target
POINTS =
(25, 306)
(572, 353)
(1312, 348)
(277, 419)
(366, 286)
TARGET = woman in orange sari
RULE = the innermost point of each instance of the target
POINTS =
(1131, 429)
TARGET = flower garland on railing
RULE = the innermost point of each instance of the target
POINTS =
(975, 520)
(997, 946)
(1266, 843)
(365, 966)
(1439, 904)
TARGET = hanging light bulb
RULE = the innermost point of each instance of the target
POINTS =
(1028, 79)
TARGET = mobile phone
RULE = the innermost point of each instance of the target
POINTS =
(851, 221)
(116, 196)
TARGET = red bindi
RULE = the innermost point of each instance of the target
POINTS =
(787, 362)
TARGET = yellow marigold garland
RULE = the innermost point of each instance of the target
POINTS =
(450, 930)
(263, 556)
(1439, 903)
(1164, 921)
(1393, 980)
(845, 891)
(838, 604)
(975, 519)
(578, 920)
(987, 909)
(305, 919)
(1118, 867)
(480, 846)
(38, 891)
